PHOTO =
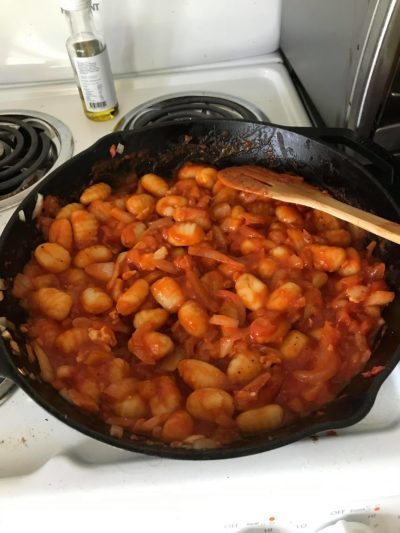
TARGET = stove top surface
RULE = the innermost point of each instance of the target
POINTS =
(351, 473)
(41, 458)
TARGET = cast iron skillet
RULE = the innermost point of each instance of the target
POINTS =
(220, 143)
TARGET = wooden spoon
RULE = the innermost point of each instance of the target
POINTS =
(292, 189)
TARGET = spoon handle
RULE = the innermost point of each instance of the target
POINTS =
(264, 182)
(374, 224)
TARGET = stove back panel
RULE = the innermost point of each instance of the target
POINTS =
(141, 35)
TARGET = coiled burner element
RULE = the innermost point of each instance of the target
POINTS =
(31, 143)
(189, 106)
(26, 152)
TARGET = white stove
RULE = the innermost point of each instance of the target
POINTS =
(57, 478)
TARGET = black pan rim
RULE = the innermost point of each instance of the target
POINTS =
(121, 136)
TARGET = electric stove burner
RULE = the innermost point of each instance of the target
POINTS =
(31, 144)
(27, 152)
(187, 106)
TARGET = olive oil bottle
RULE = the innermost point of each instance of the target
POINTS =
(88, 54)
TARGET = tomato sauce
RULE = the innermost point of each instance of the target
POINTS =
(257, 312)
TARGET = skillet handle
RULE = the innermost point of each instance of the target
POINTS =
(386, 165)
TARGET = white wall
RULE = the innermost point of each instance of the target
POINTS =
(141, 35)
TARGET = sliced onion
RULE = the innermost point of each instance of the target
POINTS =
(209, 253)
(224, 321)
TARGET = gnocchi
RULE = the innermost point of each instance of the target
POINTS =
(132, 298)
(52, 257)
(95, 301)
(154, 184)
(53, 303)
(189, 312)
(98, 191)
(60, 232)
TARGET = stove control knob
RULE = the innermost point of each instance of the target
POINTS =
(343, 526)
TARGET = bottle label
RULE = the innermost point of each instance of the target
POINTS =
(96, 81)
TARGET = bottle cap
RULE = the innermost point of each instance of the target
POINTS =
(74, 5)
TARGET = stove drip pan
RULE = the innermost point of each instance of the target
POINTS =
(189, 106)
(31, 144)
